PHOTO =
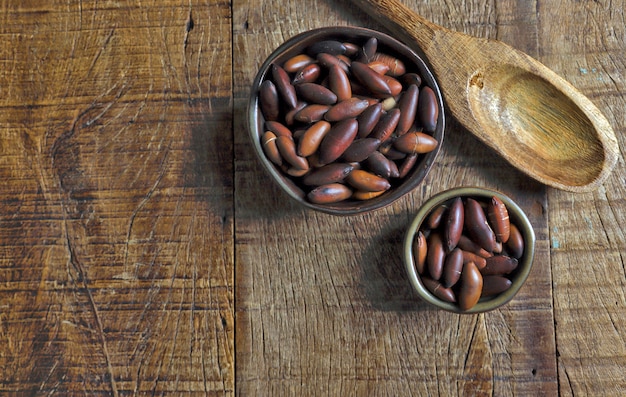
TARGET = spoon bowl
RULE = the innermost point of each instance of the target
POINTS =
(532, 117)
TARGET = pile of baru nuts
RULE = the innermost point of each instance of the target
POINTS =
(467, 248)
(345, 120)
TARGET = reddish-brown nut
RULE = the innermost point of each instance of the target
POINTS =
(362, 195)
(349, 108)
(435, 287)
(284, 87)
(452, 267)
(287, 148)
(269, 101)
(386, 125)
(271, 150)
(396, 66)
(408, 109)
(415, 142)
(477, 227)
(311, 113)
(478, 260)
(395, 87)
(378, 67)
(420, 248)
(333, 47)
(297, 62)
(495, 285)
(328, 60)
(436, 256)
(330, 173)
(407, 165)
(381, 165)
(337, 140)
(369, 118)
(499, 265)
(315, 93)
(515, 244)
(471, 286)
(368, 50)
(339, 83)
(370, 79)
(428, 109)
(312, 138)
(366, 181)
(307, 74)
(466, 244)
(454, 224)
(278, 128)
(290, 116)
(360, 149)
(498, 217)
(436, 216)
(331, 193)
(411, 78)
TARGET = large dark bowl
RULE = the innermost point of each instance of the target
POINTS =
(297, 45)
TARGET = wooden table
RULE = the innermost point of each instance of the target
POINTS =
(144, 251)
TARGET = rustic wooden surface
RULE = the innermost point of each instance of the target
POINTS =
(144, 251)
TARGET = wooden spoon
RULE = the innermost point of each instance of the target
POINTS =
(534, 118)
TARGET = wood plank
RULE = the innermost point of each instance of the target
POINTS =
(116, 220)
(587, 240)
(323, 304)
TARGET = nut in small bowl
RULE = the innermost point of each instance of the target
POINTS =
(345, 119)
(469, 250)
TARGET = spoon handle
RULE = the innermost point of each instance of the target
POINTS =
(400, 19)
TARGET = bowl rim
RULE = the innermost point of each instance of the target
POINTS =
(289, 186)
(517, 215)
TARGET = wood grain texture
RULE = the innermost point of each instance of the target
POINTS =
(116, 220)
(323, 304)
(588, 243)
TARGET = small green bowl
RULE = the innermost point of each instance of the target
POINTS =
(519, 275)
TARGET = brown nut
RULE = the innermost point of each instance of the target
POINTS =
(284, 87)
(499, 265)
(428, 109)
(498, 217)
(435, 287)
(312, 138)
(477, 226)
(436, 256)
(311, 113)
(452, 268)
(515, 244)
(471, 286)
(361, 149)
(420, 248)
(316, 93)
(308, 74)
(495, 285)
(270, 148)
(330, 173)
(269, 101)
(454, 224)
(363, 195)
(337, 140)
(396, 66)
(415, 142)
(366, 181)
(339, 83)
(350, 108)
(407, 165)
(466, 244)
(386, 125)
(369, 118)
(370, 79)
(331, 193)
(297, 62)
(408, 109)
(287, 148)
(381, 165)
